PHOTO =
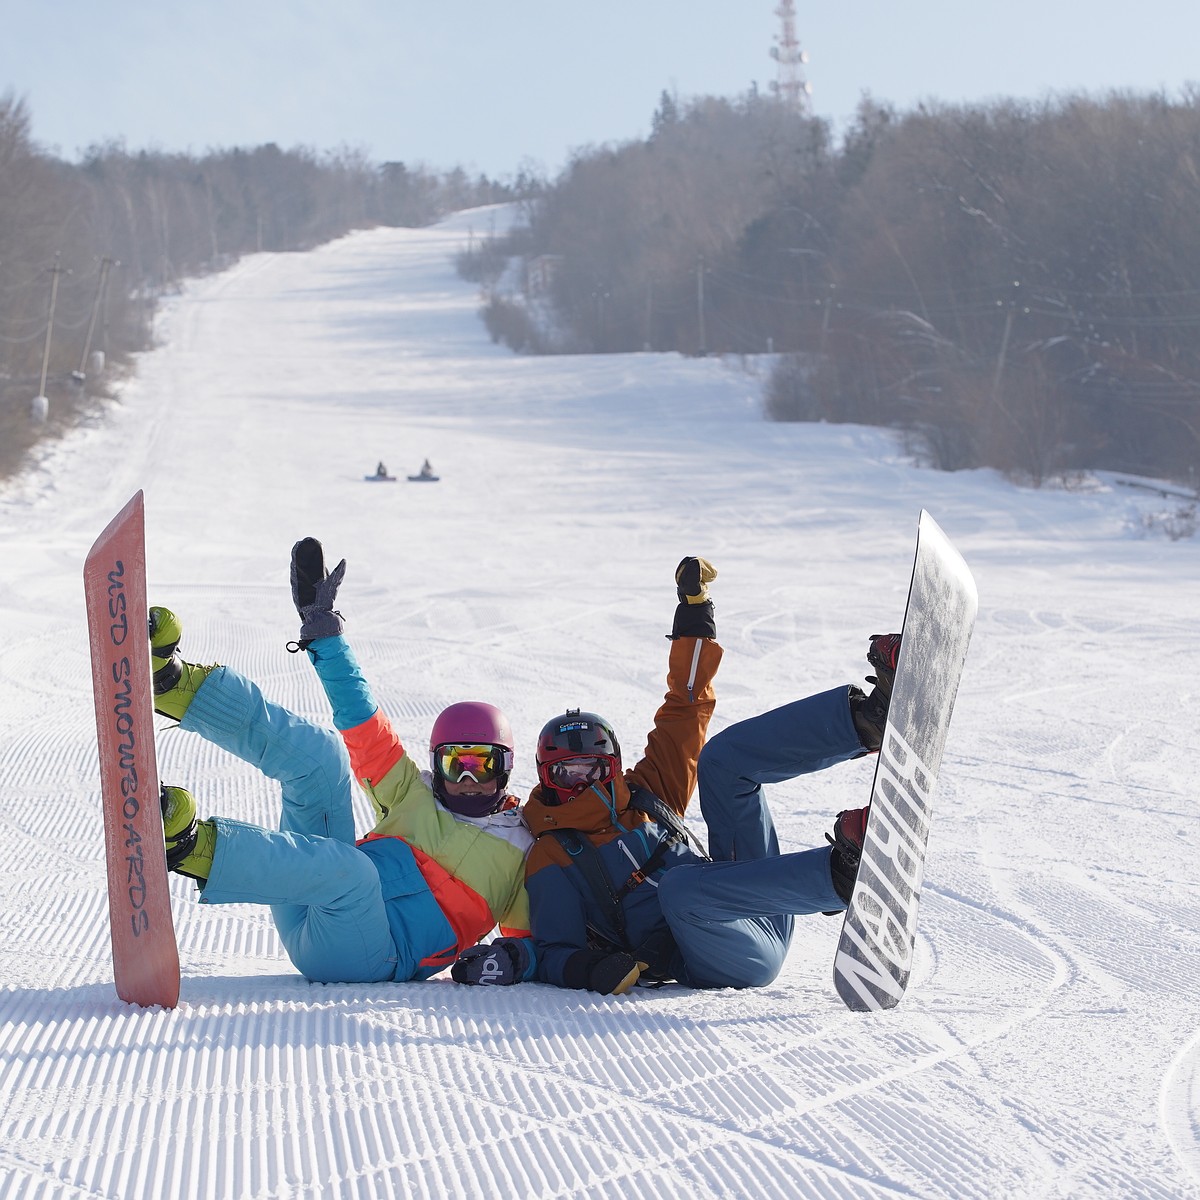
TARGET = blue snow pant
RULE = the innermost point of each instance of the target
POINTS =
(325, 894)
(733, 917)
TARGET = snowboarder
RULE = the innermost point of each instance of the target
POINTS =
(443, 864)
(425, 474)
(381, 471)
(617, 894)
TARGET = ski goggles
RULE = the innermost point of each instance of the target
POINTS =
(575, 774)
(482, 764)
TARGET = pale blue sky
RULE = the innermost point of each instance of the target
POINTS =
(490, 84)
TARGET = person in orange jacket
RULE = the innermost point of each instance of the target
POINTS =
(618, 895)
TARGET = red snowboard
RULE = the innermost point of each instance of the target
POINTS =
(145, 955)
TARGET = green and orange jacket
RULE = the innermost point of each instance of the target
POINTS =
(474, 866)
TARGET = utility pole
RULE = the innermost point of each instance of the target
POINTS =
(80, 375)
(825, 318)
(55, 272)
(791, 87)
(1004, 337)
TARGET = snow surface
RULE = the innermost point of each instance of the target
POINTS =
(1048, 1045)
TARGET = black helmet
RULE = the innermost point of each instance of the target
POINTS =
(575, 751)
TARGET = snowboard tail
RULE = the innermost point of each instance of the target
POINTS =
(145, 954)
(875, 952)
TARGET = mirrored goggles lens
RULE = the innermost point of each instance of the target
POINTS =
(572, 773)
(479, 763)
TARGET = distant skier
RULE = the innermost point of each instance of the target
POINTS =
(617, 894)
(441, 868)
(381, 472)
(425, 474)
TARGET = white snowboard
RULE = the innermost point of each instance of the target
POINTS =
(874, 956)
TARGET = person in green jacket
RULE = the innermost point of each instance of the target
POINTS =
(444, 863)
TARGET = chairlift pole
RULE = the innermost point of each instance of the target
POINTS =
(1004, 338)
(55, 272)
(105, 264)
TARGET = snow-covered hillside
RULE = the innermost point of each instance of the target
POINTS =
(1049, 1044)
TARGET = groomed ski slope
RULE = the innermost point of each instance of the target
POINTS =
(1049, 1042)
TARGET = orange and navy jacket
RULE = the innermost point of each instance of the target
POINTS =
(474, 866)
(571, 927)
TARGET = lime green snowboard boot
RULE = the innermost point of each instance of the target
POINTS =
(190, 843)
(175, 681)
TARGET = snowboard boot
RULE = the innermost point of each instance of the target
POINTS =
(883, 653)
(870, 712)
(190, 843)
(849, 829)
(870, 716)
(175, 681)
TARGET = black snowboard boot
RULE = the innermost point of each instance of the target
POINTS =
(870, 716)
(849, 829)
(870, 712)
(883, 653)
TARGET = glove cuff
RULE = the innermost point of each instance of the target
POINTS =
(694, 620)
(519, 950)
(319, 623)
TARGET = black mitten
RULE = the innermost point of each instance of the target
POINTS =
(694, 616)
(503, 961)
(615, 974)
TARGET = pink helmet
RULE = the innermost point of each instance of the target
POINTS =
(472, 723)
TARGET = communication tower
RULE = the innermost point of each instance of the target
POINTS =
(791, 87)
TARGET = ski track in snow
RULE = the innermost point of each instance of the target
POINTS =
(1049, 1044)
